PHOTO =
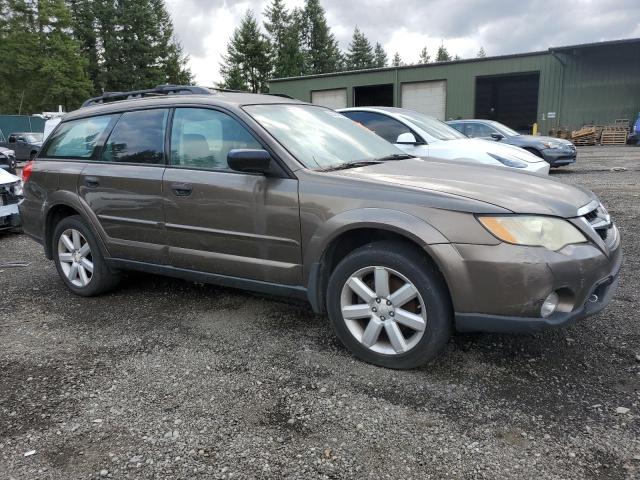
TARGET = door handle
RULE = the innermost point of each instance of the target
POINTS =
(181, 189)
(91, 182)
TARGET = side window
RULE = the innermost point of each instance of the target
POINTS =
(479, 130)
(77, 138)
(202, 138)
(383, 126)
(461, 127)
(138, 137)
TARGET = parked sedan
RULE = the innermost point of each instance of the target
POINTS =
(424, 136)
(556, 151)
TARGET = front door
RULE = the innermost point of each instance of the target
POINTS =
(221, 221)
(123, 186)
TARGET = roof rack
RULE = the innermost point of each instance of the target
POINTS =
(151, 92)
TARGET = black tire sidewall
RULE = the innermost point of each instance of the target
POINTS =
(409, 262)
(102, 279)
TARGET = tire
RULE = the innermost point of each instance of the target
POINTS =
(430, 306)
(534, 151)
(101, 279)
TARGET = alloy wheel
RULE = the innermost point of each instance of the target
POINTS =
(74, 254)
(383, 310)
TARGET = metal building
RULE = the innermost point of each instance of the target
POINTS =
(594, 83)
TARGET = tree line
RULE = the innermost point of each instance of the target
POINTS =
(59, 52)
(299, 42)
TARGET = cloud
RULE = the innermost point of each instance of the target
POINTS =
(500, 26)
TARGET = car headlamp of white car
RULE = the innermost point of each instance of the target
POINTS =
(536, 231)
(509, 162)
(17, 189)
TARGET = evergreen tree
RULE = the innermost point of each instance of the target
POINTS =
(283, 29)
(457, 57)
(481, 53)
(443, 54)
(44, 65)
(397, 61)
(319, 46)
(248, 59)
(380, 56)
(424, 56)
(360, 54)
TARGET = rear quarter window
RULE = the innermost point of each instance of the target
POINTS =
(77, 138)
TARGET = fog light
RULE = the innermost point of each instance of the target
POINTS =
(550, 304)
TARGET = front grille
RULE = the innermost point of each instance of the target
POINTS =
(600, 221)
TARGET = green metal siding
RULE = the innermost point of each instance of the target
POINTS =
(595, 84)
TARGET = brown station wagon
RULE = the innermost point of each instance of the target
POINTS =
(275, 195)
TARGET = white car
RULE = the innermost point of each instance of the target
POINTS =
(424, 136)
(10, 197)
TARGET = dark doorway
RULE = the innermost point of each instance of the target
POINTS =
(373, 96)
(509, 99)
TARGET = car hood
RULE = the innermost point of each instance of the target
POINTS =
(470, 147)
(6, 177)
(509, 189)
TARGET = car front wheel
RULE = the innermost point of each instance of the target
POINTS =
(389, 306)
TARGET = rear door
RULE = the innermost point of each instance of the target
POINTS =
(123, 186)
(226, 222)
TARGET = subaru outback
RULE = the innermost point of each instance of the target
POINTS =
(274, 195)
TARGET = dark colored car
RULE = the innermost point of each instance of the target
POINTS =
(8, 160)
(556, 151)
(275, 195)
(25, 144)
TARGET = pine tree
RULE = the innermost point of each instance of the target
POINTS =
(360, 54)
(380, 56)
(397, 61)
(248, 59)
(424, 56)
(481, 53)
(45, 65)
(283, 29)
(443, 54)
(319, 46)
(457, 57)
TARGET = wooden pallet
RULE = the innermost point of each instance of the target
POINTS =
(613, 137)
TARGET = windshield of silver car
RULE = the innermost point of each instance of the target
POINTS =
(320, 138)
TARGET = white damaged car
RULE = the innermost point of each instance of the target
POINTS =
(424, 136)
(10, 197)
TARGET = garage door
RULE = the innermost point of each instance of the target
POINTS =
(429, 98)
(330, 98)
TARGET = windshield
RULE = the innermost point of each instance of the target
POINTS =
(34, 137)
(320, 138)
(503, 129)
(433, 127)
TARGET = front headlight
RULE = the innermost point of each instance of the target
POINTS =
(553, 145)
(17, 189)
(549, 232)
(509, 162)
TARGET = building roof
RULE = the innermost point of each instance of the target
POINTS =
(464, 60)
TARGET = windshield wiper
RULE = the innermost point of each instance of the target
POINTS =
(396, 156)
(344, 166)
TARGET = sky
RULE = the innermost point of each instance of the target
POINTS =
(204, 27)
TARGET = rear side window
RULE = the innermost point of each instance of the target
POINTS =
(138, 137)
(386, 127)
(76, 139)
(479, 130)
(202, 138)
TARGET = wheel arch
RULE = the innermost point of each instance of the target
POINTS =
(374, 225)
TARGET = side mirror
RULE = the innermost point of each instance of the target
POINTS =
(497, 136)
(249, 161)
(407, 138)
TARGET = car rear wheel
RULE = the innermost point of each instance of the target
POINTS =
(389, 306)
(79, 260)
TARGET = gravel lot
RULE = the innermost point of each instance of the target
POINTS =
(169, 379)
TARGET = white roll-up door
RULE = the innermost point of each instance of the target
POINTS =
(330, 98)
(429, 98)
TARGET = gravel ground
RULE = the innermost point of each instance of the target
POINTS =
(169, 379)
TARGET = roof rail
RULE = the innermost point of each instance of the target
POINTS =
(151, 92)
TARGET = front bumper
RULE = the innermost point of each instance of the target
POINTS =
(501, 288)
(559, 158)
(9, 217)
